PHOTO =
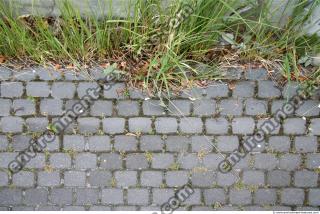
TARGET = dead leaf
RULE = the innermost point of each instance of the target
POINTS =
(2, 59)
(57, 66)
(105, 65)
(131, 134)
(232, 85)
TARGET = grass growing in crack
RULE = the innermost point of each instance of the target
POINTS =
(172, 59)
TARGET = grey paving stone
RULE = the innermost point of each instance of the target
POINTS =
(290, 90)
(191, 125)
(125, 143)
(60, 160)
(269, 125)
(193, 92)
(240, 197)
(72, 75)
(227, 143)
(10, 197)
(313, 197)
(22, 107)
(83, 87)
(23, 179)
(113, 125)
(307, 209)
(5, 107)
(193, 199)
(243, 125)
(308, 108)
(99, 143)
(136, 161)
(212, 196)
(11, 124)
(48, 74)
(73, 142)
(256, 107)
(138, 196)
(4, 179)
(128, 108)
(22, 208)
(201, 143)
(179, 107)
(177, 143)
(162, 160)
(20, 142)
(38, 124)
(49, 179)
(5, 73)
(151, 143)
(137, 94)
(290, 161)
(74, 178)
(97, 73)
(110, 161)
(73, 208)
(313, 161)
(38, 162)
(278, 178)
(292, 196)
(265, 196)
(152, 108)
(204, 107)
(61, 196)
(116, 91)
(125, 179)
(227, 179)
(315, 126)
(27, 74)
(256, 74)
(63, 90)
(231, 107)
(176, 178)
(99, 178)
(3, 143)
(211, 161)
(52, 107)
(85, 161)
(305, 178)
(112, 196)
(87, 196)
(88, 125)
(294, 126)
(11, 89)
(36, 196)
(203, 179)
(140, 125)
(279, 105)
(253, 177)
(306, 144)
(6, 158)
(38, 89)
(250, 146)
(265, 161)
(125, 208)
(166, 125)
(160, 196)
(268, 89)
(217, 126)
(279, 143)
(244, 89)
(151, 178)
(217, 90)
(79, 108)
(100, 208)
(101, 108)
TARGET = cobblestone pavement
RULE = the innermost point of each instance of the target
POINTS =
(128, 152)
